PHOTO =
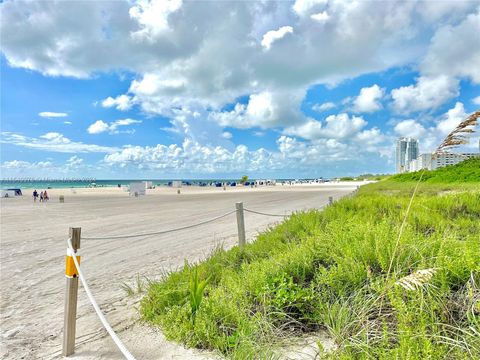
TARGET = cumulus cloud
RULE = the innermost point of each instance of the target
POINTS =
(451, 119)
(274, 35)
(476, 100)
(265, 110)
(152, 16)
(194, 158)
(97, 127)
(121, 102)
(323, 107)
(54, 142)
(369, 99)
(428, 93)
(410, 128)
(100, 126)
(455, 50)
(340, 126)
(173, 64)
(51, 114)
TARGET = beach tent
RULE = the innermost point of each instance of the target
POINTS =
(137, 188)
(18, 192)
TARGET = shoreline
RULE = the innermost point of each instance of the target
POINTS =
(194, 186)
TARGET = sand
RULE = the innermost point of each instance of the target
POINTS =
(33, 248)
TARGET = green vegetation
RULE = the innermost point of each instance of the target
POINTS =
(374, 177)
(197, 289)
(466, 171)
(344, 270)
(244, 179)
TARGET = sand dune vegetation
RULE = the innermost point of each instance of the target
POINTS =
(333, 271)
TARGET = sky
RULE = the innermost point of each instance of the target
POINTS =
(219, 89)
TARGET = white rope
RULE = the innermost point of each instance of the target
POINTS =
(266, 214)
(159, 232)
(104, 321)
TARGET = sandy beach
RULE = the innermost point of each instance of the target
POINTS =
(33, 248)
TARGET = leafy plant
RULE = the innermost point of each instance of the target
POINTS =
(197, 289)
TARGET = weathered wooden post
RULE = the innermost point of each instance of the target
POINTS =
(240, 224)
(71, 273)
(61, 199)
(330, 200)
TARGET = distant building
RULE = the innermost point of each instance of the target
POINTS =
(435, 161)
(406, 151)
(447, 159)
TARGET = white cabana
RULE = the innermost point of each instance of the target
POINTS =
(137, 188)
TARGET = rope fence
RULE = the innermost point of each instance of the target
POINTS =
(73, 272)
(160, 232)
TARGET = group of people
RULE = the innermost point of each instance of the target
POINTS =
(43, 196)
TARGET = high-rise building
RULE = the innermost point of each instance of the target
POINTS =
(406, 151)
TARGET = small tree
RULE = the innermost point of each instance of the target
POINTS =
(244, 179)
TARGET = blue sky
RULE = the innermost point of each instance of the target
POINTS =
(165, 89)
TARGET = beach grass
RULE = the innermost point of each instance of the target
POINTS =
(341, 270)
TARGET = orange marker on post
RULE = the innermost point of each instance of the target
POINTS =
(70, 268)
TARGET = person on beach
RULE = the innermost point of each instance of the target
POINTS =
(41, 196)
(35, 195)
(45, 196)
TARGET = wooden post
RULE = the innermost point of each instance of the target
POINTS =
(330, 200)
(240, 224)
(71, 292)
(61, 198)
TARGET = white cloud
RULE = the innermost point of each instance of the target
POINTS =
(321, 16)
(273, 35)
(323, 107)
(18, 164)
(74, 162)
(265, 110)
(100, 126)
(227, 135)
(455, 50)
(97, 127)
(451, 119)
(152, 16)
(54, 142)
(51, 114)
(369, 99)
(476, 100)
(121, 102)
(194, 158)
(428, 93)
(339, 126)
(303, 7)
(410, 128)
